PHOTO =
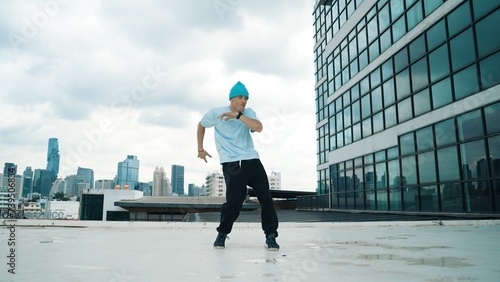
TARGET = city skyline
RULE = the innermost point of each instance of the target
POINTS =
(112, 80)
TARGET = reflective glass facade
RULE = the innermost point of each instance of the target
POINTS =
(408, 105)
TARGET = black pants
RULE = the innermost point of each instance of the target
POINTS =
(237, 176)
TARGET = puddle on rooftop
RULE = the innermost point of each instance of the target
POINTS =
(453, 262)
(268, 260)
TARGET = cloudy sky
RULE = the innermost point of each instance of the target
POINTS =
(117, 78)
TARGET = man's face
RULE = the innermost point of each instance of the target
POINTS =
(238, 103)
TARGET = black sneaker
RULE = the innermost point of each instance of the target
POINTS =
(219, 241)
(271, 244)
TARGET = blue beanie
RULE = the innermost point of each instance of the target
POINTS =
(238, 90)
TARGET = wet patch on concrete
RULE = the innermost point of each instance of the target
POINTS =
(452, 262)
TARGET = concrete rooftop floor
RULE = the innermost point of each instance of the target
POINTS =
(465, 250)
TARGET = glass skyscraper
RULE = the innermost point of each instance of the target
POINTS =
(53, 158)
(128, 173)
(408, 105)
(178, 180)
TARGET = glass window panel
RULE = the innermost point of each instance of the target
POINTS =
(474, 163)
(477, 197)
(362, 43)
(399, 29)
(354, 67)
(333, 142)
(356, 132)
(401, 60)
(358, 162)
(381, 175)
(378, 122)
(470, 125)
(395, 200)
(338, 104)
(417, 48)
(429, 198)
(336, 63)
(482, 7)
(490, 71)
(462, 50)
(377, 99)
(415, 15)
(363, 59)
(345, 76)
(353, 49)
(459, 19)
(451, 197)
(494, 147)
(389, 93)
(368, 159)
(339, 119)
(346, 98)
(427, 167)
(340, 139)
(374, 51)
(397, 8)
(409, 170)
(355, 92)
(425, 139)
(365, 85)
(431, 5)
(436, 34)
(492, 117)
(347, 116)
(387, 70)
(385, 40)
(375, 77)
(369, 177)
(441, 93)
(384, 19)
(407, 144)
(465, 82)
(382, 200)
(380, 156)
(403, 84)
(394, 175)
(372, 29)
(422, 102)
(419, 74)
(356, 112)
(392, 153)
(485, 30)
(367, 127)
(390, 116)
(404, 110)
(365, 106)
(439, 63)
(358, 177)
(445, 132)
(347, 136)
(448, 164)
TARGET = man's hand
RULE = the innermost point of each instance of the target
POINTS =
(228, 115)
(203, 155)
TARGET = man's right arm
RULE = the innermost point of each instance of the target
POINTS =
(200, 135)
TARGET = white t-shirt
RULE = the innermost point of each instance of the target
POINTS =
(232, 137)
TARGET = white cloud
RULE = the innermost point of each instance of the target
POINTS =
(74, 70)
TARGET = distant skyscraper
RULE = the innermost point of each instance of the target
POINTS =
(159, 182)
(7, 167)
(88, 174)
(53, 158)
(178, 180)
(128, 173)
(42, 181)
(27, 181)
